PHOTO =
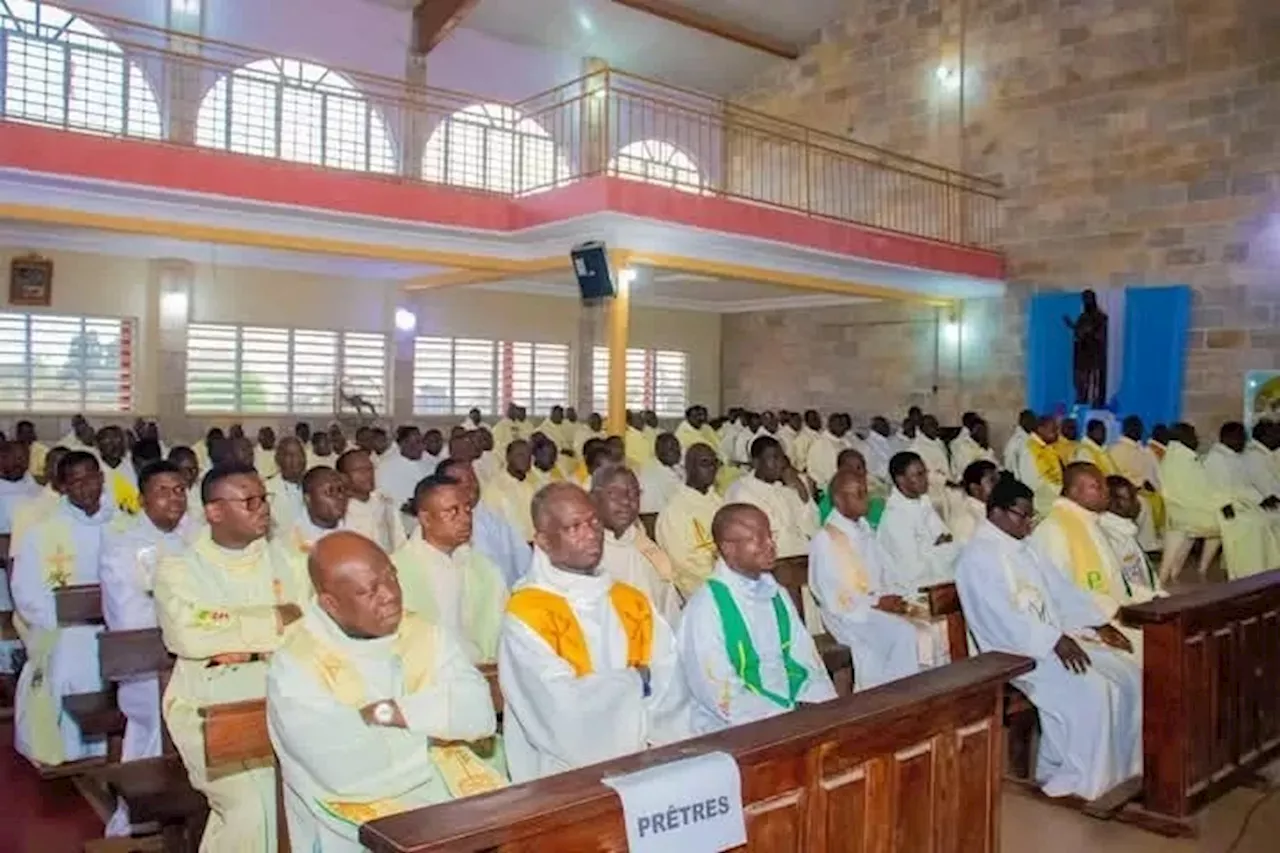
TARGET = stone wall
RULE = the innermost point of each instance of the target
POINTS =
(1138, 141)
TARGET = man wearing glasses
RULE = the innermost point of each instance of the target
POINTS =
(223, 607)
(1086, 685)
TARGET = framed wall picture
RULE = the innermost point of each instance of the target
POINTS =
(31, 281)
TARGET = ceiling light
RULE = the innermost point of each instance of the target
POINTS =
(951, 332)
(406, 320)
(628, 276)
(948, 78)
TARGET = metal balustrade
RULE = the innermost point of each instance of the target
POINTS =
(103, 75)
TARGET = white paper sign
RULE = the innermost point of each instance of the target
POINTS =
(692, 805)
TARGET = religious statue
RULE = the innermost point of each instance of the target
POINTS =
(1089, 355)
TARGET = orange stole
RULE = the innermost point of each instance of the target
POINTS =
(552, 619)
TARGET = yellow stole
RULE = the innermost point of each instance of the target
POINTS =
(126, 493)
(853, 570)
(1048, 465)
(1100, 458)
(1065, 449)
(1086, 562)
(656, 556)
(58, 551)
(463, 772)
(551, 618)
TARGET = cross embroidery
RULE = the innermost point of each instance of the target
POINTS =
(60, 563)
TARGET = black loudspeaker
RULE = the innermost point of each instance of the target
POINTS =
(591, 266)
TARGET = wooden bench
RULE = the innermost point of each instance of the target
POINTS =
(792, 574)
(157, 790)
(1211, 694)
(906, 767)
(1020, 717)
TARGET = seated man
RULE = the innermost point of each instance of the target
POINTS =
(630, 556)
(17, 487)
(361, 699)
(1086, 685)
(510, 492)
(1068, 441)
(637, 446)
(324, 503)
(855, 462)
(369, 512)
(976, 483)
(933, 453)
(321, 450)
(61, 549)
(264, 453)
(1039, 465)
(1260, 458)
(663, 476)
(972, 444)
(743, 646)
(1197, 505)
(1137, 462)
(1119, 525)
(1072, 540)
(398, 474)
(879, 450)
(38, 506)
(1016, 446)
(120, 480)
(285, 489)
(919, 545)
(491, 535)
(824, 450)
(545, 455)
(223, 606)
(861, 606)
(683, 530)
(444, 579)
(775, 488)
(587, 666)
(131, 551)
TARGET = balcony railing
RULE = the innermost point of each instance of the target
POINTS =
(96, 74)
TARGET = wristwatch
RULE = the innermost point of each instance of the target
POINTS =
(384, 713)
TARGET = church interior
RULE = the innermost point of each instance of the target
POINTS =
(967, 312)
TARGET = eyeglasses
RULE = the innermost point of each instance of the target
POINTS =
(252, 503)
(1019, 514)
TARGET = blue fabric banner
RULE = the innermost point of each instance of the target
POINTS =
(1155, 353)
(1049, 351)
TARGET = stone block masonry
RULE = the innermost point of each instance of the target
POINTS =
(1139, 144)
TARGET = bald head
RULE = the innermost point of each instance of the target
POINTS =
(568, 528)
(356, 585)
(1084, 484)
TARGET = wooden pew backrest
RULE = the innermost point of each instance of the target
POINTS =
(792, 574)
(943, 600)
(893, 769)
(79, 605)
(236, 733)
(127, 654)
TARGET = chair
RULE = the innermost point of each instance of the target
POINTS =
(1177, 547)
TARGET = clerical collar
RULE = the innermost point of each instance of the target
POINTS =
(322, 623)
(763, 588)
(571, 585)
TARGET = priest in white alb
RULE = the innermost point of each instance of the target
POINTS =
(369, 512)
(324, 510)
(398, 475)
(61, 549)
(1086, 684)
(223, 606)
(491, 535)
(861, 606)
(1119, 525)
(921, 548)
(744, 648)
(663, 476)
(776, 489)
(824, 450)
(285, 488)
(510, 491)
(588, 667)
(132, 549)
(444, 578)
(933, 453)
(630, 556)
(371, 710)
(683, 529)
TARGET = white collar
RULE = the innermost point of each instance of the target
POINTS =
(763, 588)
(575, 587)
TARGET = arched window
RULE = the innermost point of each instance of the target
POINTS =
(61, 70)
(295, 111)
(659, 163)
(493, 147)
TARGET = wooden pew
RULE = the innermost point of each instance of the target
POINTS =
(1020, 717)
(909, 766)
(235, 735)
(79, 605)
(96, 713)
(792, 574)
(1211, 693)
(157, 790)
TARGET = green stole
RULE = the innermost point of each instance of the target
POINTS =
(742, 653)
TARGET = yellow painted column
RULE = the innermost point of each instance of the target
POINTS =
(619, 323)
